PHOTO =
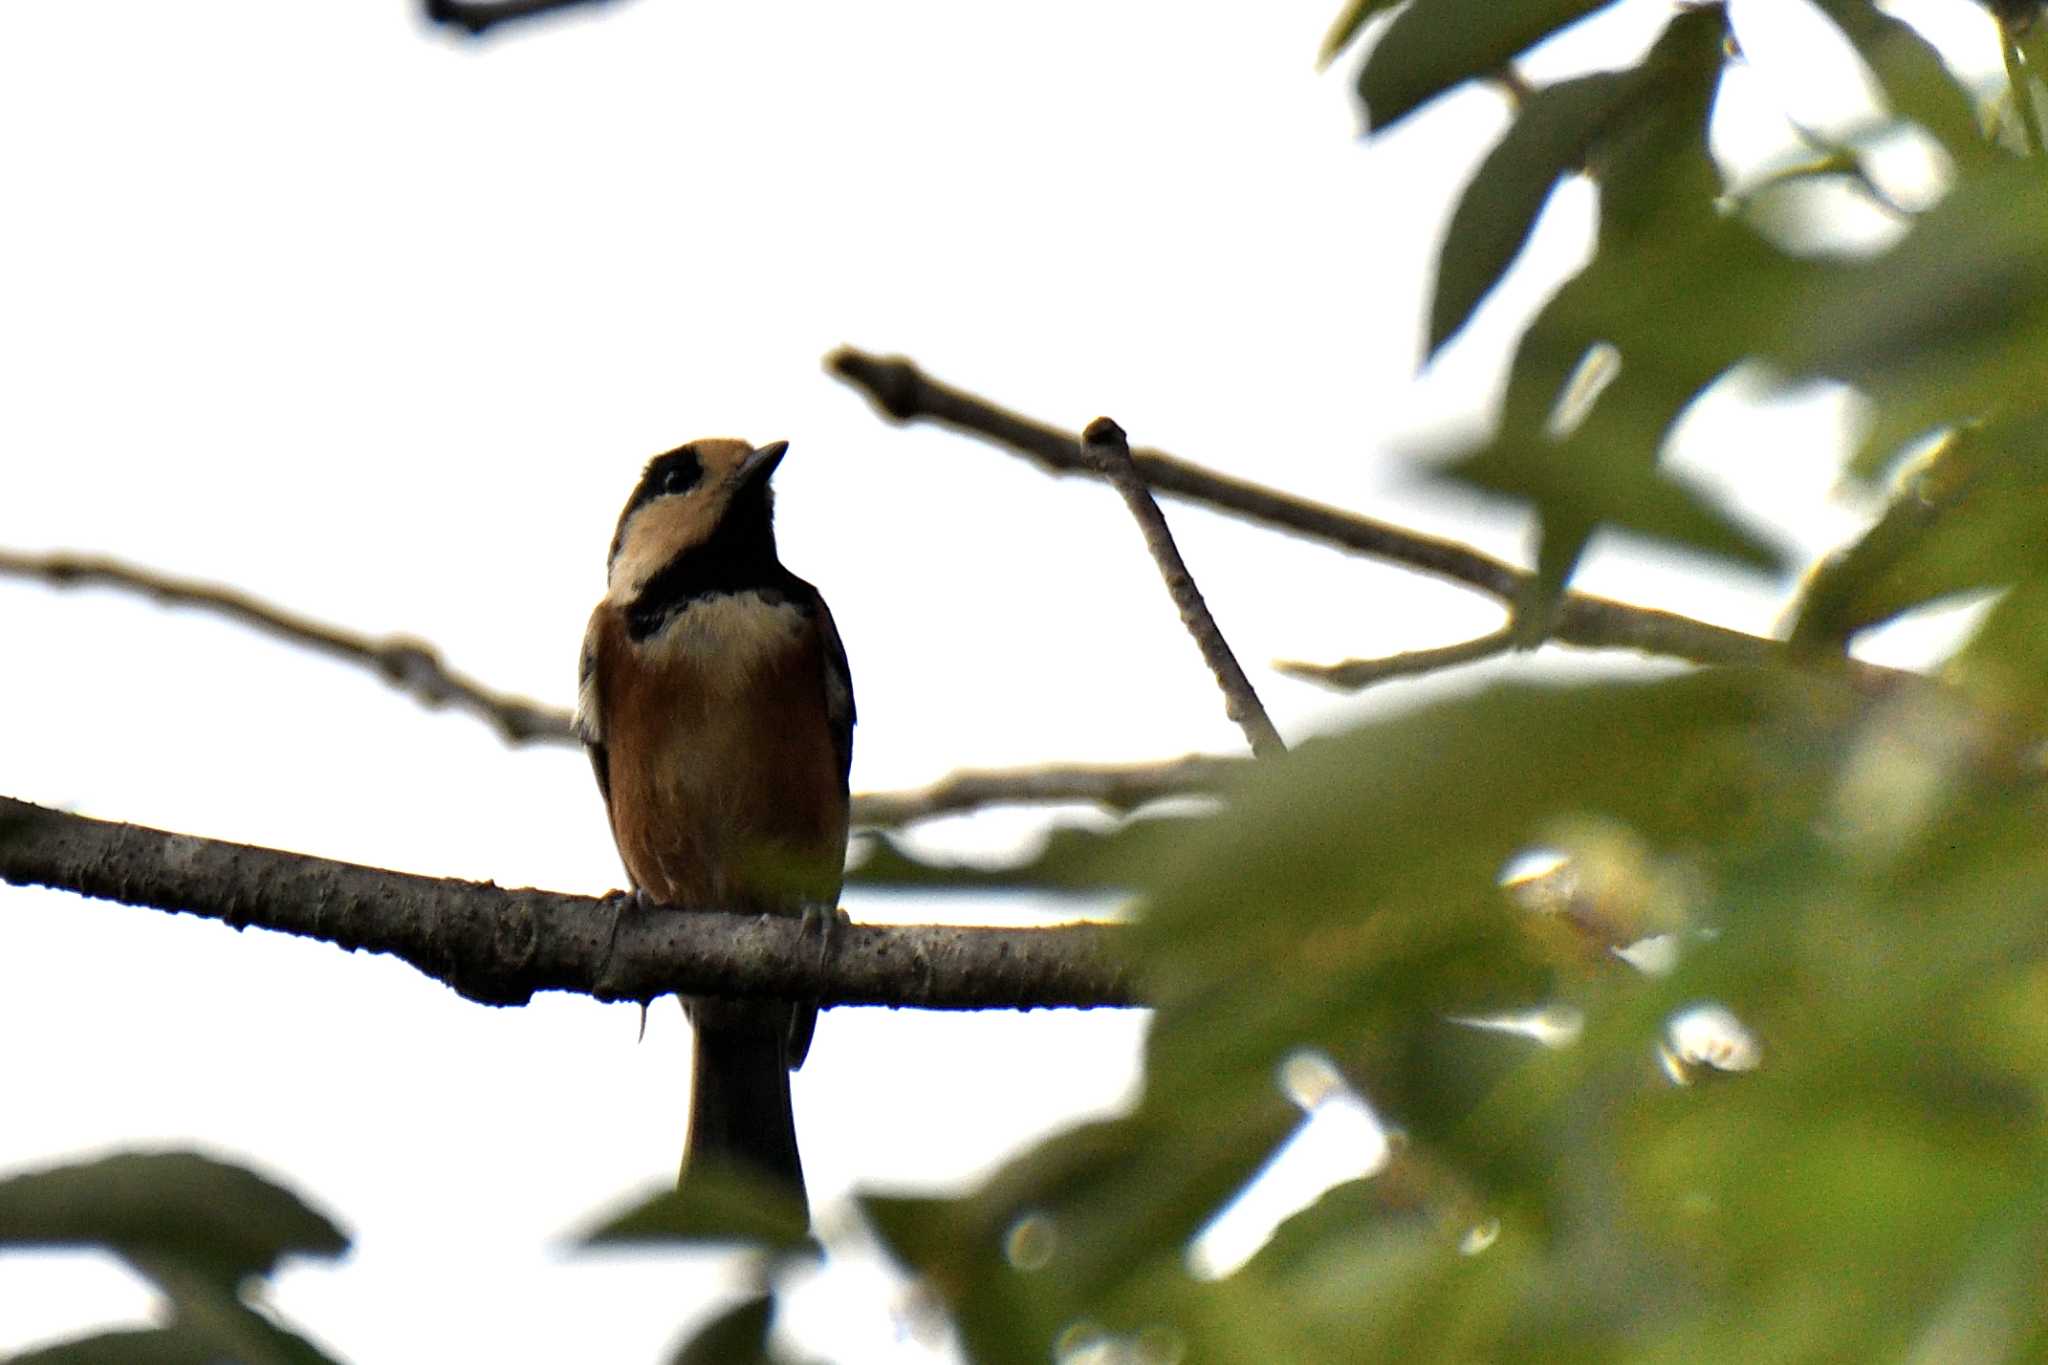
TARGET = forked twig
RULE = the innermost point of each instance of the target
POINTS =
(1354, 675)
(1108, 449)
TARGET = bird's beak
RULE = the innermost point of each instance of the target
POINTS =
(755, 469)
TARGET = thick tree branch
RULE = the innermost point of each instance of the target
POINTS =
(410, 665)
(500, 946)
(904, 393)
(1106, 447)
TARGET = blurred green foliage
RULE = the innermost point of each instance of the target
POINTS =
(1811, 1125)
(204, 1233)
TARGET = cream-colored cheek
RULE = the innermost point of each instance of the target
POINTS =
(656, 534)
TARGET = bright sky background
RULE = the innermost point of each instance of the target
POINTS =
(380, 323)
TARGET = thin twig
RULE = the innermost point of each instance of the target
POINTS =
(1354, 675)
(1105, 445)
(1509, 80)
(410, 665)
(903, 393)
(1120, 787)
(500, 947)
(415, 668)
(477, 17)
(2019, 79)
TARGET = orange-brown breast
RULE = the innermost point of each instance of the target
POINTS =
(726, 785)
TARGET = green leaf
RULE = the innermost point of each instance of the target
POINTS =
(738, 1336)
(1548, 139)
(219, 1220)
(1949, 326)
(178, 1345)
(2005, 663)
(1006, 1313)
(1347, 26)
(215, 1312)
(1435, 44)
(1643, 123)
(715, 1205)
(1360, 1285)
(1573, 492)
(1603, 470)
(1656, 173)
(1663, 250)
(1918, 84)
(1969, 520)
(1383, 852)
(1346, 904)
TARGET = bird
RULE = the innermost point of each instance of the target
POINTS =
(716, 705)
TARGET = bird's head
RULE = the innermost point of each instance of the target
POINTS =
(708, 501)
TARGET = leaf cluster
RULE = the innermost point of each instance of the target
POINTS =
(204, 1233)
(1851, 885)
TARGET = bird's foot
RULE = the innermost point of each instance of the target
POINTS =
(622, 904)
(827, 924)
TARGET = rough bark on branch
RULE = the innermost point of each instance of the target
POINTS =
(500, 946)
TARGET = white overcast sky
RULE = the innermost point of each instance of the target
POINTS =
(380, 323)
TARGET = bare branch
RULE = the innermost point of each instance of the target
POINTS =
(499, 946)
(416, 669)
(1105, 445)
(1118, 786)
(477, 16)
(1354, 675)
(903, 393)
(2019, 80)
(412, 666)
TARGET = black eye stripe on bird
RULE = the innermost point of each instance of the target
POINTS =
(717, 708)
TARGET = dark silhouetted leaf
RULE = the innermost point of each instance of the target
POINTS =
(1347, 26)
(215, 1312)
(714, 1205)
(1347, 904)
(738, 1336)
(221, 1220)
(1642, 300)
(1435, 44)
(1663, 249)
(1548, 139)
(141, 1346)
(1916, 81)
(1656, 175)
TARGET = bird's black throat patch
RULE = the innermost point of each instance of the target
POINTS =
(738, 557)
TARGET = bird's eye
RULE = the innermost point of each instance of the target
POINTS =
(681, 475)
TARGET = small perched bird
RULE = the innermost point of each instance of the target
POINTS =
(717, 708)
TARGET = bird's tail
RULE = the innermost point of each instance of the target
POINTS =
(740, 1113)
